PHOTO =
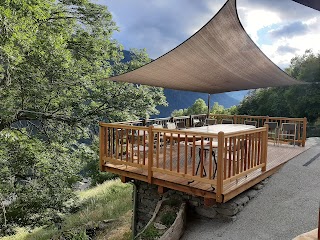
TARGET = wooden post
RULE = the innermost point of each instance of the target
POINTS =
(220, 167)
(234, 119)
(265, 147)
(208, 113)
(304, 133)
(150, 155)
(102, 146)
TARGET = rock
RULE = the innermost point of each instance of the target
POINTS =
(227, 211)
(208, 212)
(109, 221)
(252, 193)
(159, 226)
(258, 186)
(241, 200)
(194, 203)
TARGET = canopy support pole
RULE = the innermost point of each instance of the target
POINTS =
(208, 113)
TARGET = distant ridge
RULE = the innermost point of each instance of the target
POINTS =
(183, 99)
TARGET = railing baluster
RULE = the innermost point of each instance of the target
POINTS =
(193, 155)
(178, 157)
(185, 154)
(158, 148)
(171, 150)
(210, 158)
(127, 145)
(165, 151)
(144, 148)
(201, 158)
(220, 170)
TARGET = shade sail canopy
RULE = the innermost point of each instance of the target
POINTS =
(220, 57)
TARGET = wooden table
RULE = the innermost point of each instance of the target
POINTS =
(215, 129)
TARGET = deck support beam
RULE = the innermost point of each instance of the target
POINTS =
(124, 179)
(209, 202)
(162, 190)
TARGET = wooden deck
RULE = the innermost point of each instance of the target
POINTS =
(276, 157)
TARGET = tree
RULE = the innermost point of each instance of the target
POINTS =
(200, 107)
(292, 101)
(219, 109)
(55, 56)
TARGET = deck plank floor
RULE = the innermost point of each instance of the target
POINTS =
(277, 156)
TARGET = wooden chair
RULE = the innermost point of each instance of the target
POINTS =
(249, 122)
(273, 131)
(210, 122)
(181, 125)
(288, 130)
(226, 121)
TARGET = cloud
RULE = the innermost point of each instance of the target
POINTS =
(290, 30)
(286, 49)
(160, 25)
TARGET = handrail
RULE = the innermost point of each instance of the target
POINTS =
(214, 159)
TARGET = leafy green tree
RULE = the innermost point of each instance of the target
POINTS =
(292, 101)
(55, 56)
(200, 107)
(219, 109)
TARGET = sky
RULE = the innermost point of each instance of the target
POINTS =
(282, 29)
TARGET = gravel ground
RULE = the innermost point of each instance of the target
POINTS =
(286, 207)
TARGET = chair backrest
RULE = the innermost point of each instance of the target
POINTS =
(157, 126)
(226, 121)
(272, 125)
(181, 125)
(249, 122)
(288, 127)
(171, 125)
(211, 121)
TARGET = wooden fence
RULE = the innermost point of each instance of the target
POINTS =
(301, 123)
(190, 121)
(215, 159)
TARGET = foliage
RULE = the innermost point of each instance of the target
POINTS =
(110, 200)
(36, 180)
(150, 233)
(168, 218)
(200, 107)
(54, 58)
(292, 101)
(89, 155)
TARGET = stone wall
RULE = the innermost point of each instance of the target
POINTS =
(148, 196)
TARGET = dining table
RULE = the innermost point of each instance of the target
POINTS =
(204, 145)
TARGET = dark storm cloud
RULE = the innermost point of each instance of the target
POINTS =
(158, 25)
(286, 49)
(290, 30)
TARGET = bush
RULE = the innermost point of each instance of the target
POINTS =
(168, 218)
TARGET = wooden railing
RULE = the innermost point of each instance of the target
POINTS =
(215, 159)
(301, 123)
(189, 121)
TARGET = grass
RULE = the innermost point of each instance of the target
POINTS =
(110, 200)
(150, 233)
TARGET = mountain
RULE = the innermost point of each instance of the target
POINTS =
(183, 99)
(239, 95)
